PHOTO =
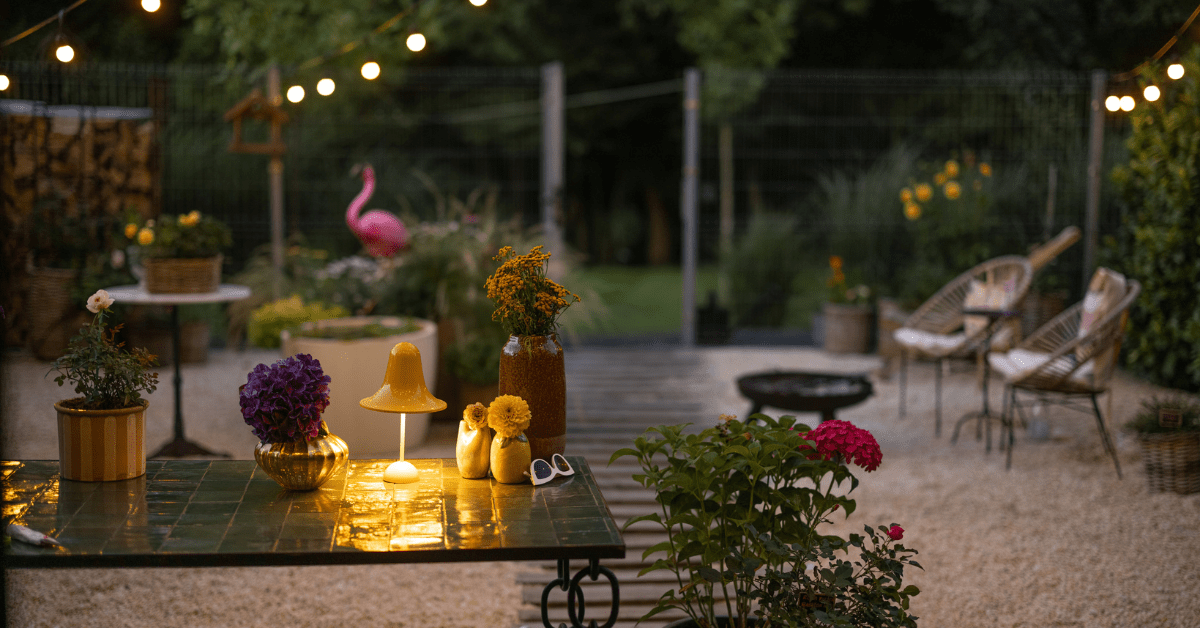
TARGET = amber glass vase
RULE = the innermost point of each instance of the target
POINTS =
(532, 368)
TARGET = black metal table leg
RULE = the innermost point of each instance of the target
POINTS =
(575, 602)
(179, 445)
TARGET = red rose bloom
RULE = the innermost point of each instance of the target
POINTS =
(854, 444)
(895, 533)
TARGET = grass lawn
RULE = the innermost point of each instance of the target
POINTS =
(636, 300)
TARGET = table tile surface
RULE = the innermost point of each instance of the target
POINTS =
(228, 512)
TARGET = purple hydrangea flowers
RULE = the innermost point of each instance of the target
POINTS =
(283, 402)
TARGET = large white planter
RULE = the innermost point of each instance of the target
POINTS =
(356, 369)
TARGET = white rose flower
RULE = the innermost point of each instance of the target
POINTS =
(99, 301)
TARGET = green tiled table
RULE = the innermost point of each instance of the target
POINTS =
(203, 513)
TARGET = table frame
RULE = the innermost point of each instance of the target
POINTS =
(134, 523)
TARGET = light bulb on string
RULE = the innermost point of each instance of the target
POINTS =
(325, 86)
(1112, 103)
(370, 70)
(478, 3)
(150, 6)
(4, 82)
(295, 93)
(64, 53)
(1151, 93)
(1175, 71)
(1127, 103)
(415, 42)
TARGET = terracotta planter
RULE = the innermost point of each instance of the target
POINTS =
(532, 368)
(355, 369)
(101, 445)
(847, 328)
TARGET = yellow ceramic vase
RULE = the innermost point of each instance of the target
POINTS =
(305, 464)
(473, 451)
(510, 459)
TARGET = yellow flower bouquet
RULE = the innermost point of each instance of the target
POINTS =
(189, 235)
(527, 302)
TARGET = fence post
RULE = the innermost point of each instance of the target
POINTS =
(275, 176)
(688, 201)
(552, 161)
(1091, 221)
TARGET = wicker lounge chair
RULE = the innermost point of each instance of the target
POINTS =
(1070, 358)
(938, 331)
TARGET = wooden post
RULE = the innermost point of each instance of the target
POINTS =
(688, 201)
(553, 134)
(1091, 222)
(275, 175)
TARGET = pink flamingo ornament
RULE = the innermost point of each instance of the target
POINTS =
(381, 232)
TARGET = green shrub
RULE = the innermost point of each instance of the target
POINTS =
(1159, 243)
(760, 270)
(269, 320)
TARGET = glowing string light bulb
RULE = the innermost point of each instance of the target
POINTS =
(3, 82)
(295, 93)
(325, 86)
(150, 6)
(1112, 103)
(64, 53)
(1127, 103)
(478, 3)
(415, 42)
(1175, 71)
(370, 70)
(1151, 93)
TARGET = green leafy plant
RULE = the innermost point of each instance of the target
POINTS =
(476, 359)
(105, 376)
(762, 267)
(1146, 420)
(268, 321)
(1159, 243)
(189, 235)
(741, 504)
(839, 292)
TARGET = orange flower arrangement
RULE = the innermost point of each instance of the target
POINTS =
(527, 302)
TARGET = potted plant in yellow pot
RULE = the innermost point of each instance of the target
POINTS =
(101, 433)
(181, 254)
(741, 504)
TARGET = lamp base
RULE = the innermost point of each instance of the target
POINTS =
(400, 472)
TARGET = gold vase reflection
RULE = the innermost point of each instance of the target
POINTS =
(305, 464)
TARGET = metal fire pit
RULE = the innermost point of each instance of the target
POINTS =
(800, 391)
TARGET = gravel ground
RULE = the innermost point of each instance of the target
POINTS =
(1056, 541)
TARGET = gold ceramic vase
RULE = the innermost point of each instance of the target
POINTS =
(473, 451)
(532, 368)
(305, 464)
(510, 459)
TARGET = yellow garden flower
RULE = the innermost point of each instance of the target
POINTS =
(527, 302)
(190, 219)
(131, 230)
(145, 236)
(952, 190)
(906, 195)
(508, 415)
(951, 168)
(985, 170)
(924, 192)
(835, 262)
(476, 415)
(912, 211)
(939, 178)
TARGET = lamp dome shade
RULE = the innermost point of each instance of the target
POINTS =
(403, 388)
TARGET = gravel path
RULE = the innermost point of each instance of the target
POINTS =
(1056, 541)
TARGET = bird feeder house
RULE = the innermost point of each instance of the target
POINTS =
(257, 107)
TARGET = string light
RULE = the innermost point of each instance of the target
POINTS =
(4, 82)
(64, 53)
(415, 42)
(151, 5)
(325, 86)
(295, 93)
(1175, 71)
(478, 3)
(1112, 103)
(1151, 93)
(370, 70)
(1127, 103)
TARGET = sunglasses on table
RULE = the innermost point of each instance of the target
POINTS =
(541, 471)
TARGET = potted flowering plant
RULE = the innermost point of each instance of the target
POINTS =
(528, 304)
(847, 313)
(741, 504)
(110, 382)
(181, 253)
(283, 403)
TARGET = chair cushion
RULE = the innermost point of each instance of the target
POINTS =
(929, 342)
(1017, 364)
(994, 294)
(1105, 292)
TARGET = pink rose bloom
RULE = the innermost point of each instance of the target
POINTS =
(854, 444)
(895, 533)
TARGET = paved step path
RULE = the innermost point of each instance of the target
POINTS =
(613, 395)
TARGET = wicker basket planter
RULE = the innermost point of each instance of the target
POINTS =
(1172, 461)
(183, 275)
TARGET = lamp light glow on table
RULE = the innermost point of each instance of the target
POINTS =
(403, 391)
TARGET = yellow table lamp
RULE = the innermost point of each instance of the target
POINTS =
(403, 391)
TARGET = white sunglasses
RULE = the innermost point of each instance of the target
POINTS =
(541, 471)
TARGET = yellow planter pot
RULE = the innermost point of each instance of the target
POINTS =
(101, 445)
